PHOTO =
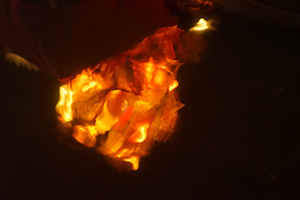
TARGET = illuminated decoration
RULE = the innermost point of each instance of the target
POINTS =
(201, 25)
(127, 102)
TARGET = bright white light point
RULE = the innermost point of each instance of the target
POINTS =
(200, 26)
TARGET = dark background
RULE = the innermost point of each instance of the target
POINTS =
(237, 136)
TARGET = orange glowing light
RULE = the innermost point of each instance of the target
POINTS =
(173, 85)
(134, 160)
(140, 134)
(124, 104)
(64, 105)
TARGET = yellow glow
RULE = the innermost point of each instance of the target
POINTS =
(92, 129)
(114, 93)
(134, 160)
(64, 105)
(160, 77)
(149, 69)
(89, 86)
(201, 25)
(122, 152)
(173, 85)
(83, 136)
(141, 133)
(122, 105)
(105, 121)
(140, 105)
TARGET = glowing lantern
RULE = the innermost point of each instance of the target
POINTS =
(124, 104)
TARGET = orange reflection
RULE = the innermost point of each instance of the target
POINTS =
(123, 105)
(140, 134)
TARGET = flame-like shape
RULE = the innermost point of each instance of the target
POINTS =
(126, 103)
(201, 25)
